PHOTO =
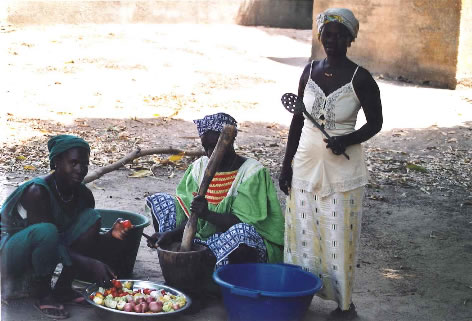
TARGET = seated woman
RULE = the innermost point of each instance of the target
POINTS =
(50, 220)
(239, 218)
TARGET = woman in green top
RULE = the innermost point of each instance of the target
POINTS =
(240, 218)
(50, 220)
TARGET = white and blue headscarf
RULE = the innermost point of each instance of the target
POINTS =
(341, 15)
(214, 122)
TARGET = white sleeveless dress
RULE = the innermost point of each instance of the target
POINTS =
(324, 209)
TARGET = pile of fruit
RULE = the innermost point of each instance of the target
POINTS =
(123, 297)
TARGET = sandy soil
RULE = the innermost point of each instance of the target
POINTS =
(124, 86)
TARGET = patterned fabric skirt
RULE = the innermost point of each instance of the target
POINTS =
(162, 207)
(322, 235)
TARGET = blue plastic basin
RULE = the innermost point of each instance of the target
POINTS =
(272, 292)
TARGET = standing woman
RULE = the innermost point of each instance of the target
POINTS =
(325, 189)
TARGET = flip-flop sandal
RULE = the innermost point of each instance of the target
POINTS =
(46, 309)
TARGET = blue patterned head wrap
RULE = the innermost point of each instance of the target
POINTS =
(61, 143)
(343, 16)
(214, 122)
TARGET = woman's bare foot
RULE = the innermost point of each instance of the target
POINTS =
(69, 296)
(339, 314)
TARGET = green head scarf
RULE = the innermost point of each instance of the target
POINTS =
(61, 143)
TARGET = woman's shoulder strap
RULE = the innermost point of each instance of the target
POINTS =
(311, 68)
(354, 74)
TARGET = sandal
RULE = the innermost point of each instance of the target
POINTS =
(52, 311)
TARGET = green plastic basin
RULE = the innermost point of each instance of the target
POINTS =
(122, 257)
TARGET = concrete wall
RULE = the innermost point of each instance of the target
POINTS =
(274, 13)
(415, 39)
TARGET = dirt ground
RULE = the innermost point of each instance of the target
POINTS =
(127, 86)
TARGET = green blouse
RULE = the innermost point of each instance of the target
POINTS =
(252, 198)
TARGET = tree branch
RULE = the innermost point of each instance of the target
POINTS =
(136, 154)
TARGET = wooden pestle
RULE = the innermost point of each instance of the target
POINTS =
(224, 141)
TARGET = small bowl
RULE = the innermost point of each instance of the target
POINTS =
(115, 314)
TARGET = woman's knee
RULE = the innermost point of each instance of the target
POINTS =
(239, 226)
(161, 207)
(235, 234)
(88, 239)
(44, 234)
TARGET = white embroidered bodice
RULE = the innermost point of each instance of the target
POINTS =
(315, 167)
(339, 108)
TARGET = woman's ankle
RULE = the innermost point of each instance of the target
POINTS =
(64, 282)
(41, 286)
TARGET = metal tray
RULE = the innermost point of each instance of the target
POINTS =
(137, 284)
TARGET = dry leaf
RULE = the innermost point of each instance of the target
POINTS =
(123, 135)
(29, 167)
(176, 158)
(141, 173)
(97, 187)
(415, 167)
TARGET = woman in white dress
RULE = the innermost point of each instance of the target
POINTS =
(325, 189)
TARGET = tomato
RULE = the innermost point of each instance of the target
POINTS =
(117, 284)
(126, 224)
(91, 296)
(146, 291)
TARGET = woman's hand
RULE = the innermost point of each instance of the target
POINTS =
(120, 229)
(336, 144)
(102, 273)
(285, 179)
(199, 207)
(159, 238)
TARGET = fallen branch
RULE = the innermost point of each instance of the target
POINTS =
(136, 154)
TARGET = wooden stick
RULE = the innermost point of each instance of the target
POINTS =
(136, 154)
(224, 141)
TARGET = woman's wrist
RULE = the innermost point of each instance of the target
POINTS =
(106, 236)
(205, 214)
(286, 164)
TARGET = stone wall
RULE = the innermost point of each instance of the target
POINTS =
(415, 39)
(274, 13)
